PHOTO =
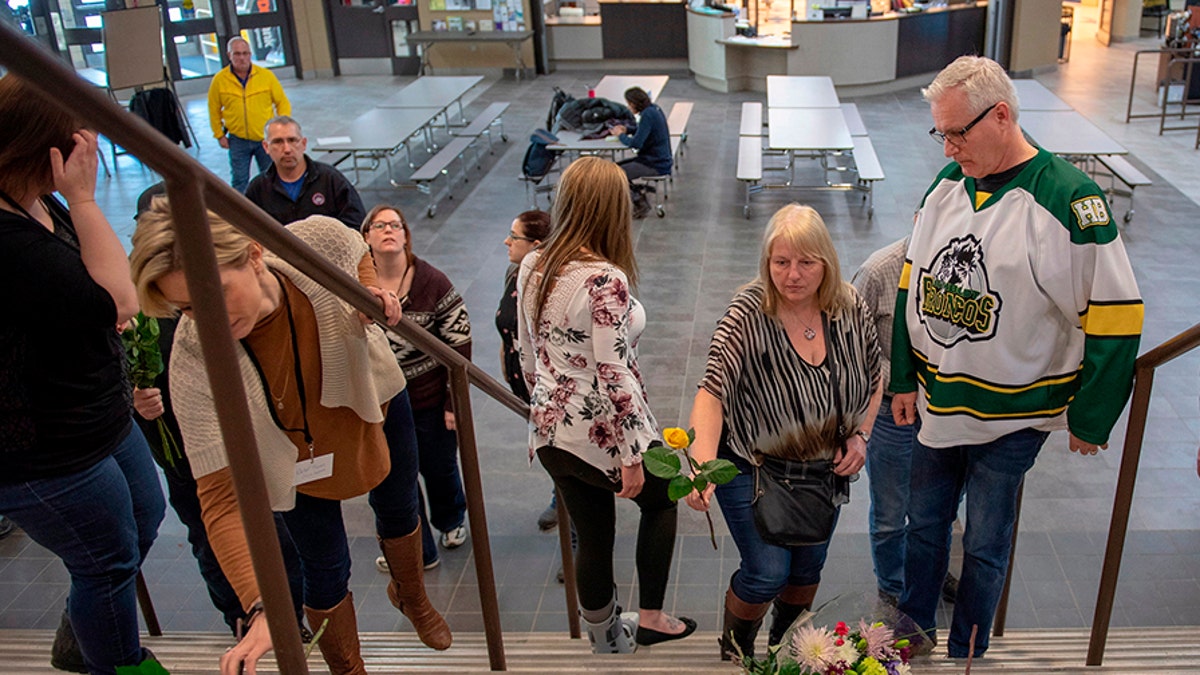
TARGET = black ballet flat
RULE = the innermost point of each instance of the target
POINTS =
(648, 636)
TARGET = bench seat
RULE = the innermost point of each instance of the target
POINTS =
(853, 120)
(493, 115)
(1120, 169)
(437, 166)
(869, 169)
(752, 119)
(749, 167)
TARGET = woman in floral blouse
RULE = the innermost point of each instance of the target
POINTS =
(589, 420)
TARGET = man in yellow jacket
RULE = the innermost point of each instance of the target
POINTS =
(241, 100)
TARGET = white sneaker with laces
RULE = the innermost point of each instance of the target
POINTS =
(454, 538)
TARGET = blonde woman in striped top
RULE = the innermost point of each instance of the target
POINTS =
(767, 392)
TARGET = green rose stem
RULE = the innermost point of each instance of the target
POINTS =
(144, 358)
(667, 462)
(712, 533)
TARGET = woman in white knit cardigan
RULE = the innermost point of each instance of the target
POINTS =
(317, 377)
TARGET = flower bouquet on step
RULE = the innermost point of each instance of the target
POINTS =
(668, 462)
(877, 645)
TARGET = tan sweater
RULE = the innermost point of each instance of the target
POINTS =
(357, 367)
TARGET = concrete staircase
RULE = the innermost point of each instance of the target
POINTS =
(1140, 651)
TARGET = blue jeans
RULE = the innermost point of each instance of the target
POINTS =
(765, 569)
(991, 475)
(101, 521)
(438, 447)
(889, 461)
(240, 153)
(318, 530)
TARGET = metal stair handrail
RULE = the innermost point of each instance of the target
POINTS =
(1135, 431)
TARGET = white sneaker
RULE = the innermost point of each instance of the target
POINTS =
(454, 538)
(381, 564)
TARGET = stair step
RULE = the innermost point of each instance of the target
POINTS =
(1130, 651)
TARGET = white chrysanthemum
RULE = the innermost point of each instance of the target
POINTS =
(903, 669)
(847, 652)
(814, 648)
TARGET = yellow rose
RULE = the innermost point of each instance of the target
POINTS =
(676, 438)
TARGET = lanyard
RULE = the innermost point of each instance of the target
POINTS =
(299, 373)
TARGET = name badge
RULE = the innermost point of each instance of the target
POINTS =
(308, 470)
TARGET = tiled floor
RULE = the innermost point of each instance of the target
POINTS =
(691, 262)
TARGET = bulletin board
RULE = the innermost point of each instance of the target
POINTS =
(133, 47)
(474, 16)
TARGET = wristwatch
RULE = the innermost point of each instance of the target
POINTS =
(863, 435)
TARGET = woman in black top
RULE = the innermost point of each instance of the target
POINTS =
(526, 233)
(75, 473)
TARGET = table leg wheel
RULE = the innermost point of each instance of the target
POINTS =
(662, 213)
(1128, 216)
(746, 211)
(432, 211)
(504, 137)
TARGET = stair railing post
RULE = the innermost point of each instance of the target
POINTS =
(233, 413)
(568, 565)
(464, 423)
(1122, 505)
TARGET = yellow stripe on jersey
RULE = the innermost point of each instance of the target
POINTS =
(904, 275)
(1113, 320)
(1000, 389)
(1051, 412)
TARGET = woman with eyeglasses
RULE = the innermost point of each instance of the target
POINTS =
(430, 301)
(526, 233)
(318, 379)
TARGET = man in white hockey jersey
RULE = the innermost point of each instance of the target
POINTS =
(1018, 314)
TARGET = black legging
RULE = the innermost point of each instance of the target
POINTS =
(590, 500)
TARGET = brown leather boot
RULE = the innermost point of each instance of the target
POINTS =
(339, 642)
(407, 589)
(742, 621)
(788, 606)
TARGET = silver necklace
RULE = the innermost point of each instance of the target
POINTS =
(809, 333)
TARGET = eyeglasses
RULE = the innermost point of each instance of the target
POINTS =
(515, 237)
(959, 137)
(380, 225)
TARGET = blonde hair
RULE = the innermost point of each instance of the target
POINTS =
(983, 81)
(802, 229)
(591, 221)
(156, 253)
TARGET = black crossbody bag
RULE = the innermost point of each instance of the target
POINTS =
(796, 501)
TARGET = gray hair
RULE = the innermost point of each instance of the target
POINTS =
(281, 119)
(983, 81)
(232, 40)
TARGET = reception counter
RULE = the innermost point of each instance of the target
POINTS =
(869, 51)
